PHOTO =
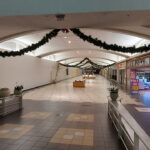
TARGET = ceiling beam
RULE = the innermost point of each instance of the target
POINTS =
(79, 49)
(113, 61)
(127, 32)
(92, 60)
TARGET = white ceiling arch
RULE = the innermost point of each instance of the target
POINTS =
(59, 49)
(81, 49)
(66, 55)
(15, 25)
(95, 59)
(77, 58)
(101, 62)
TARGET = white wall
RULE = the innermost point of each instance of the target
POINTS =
(26, 70)
(30, 72)
(73, 72)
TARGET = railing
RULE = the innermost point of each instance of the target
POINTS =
(129, 131)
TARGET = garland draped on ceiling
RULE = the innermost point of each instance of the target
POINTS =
(32, 47)
(113, 47)
(82, 63)
(77, 32)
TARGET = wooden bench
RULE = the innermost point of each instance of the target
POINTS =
(89, 76)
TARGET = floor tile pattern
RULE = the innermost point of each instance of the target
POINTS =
(81, 117)
(37, 115)
(142, 109)
(63, 118)
(14, 131)
(73, 136)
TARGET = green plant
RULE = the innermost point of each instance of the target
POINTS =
(114, 90)
(18, 87)
(4, 92)
(3, 89)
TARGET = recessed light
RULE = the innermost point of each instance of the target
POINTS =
(69, 42)
(65, 37)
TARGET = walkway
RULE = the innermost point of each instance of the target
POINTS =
(138, 106)
(60, 117)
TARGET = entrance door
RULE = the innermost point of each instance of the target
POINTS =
(121, 76)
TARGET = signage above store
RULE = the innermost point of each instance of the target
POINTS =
(122, 65)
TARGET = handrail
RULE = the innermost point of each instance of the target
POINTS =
(139, 133)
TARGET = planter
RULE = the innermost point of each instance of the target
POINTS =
(114, 96)
(54, 81)
(4, 92)
(17, 92)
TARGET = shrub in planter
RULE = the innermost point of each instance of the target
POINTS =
(114, 93)
(54, 81)
(18, 90)
(4, 92)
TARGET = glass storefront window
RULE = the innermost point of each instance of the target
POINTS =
(132, 63)
(141, 62)
(147, 61)
(147, 76)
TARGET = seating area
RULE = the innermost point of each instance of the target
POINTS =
(89, 76)
(79, 83)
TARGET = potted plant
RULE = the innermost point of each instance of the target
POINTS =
(4, 92)
(18, 89)
(114, 93)
(54, 81)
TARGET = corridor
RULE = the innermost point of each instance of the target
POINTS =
(60, 117)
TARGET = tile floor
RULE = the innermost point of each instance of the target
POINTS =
(81, 117)
(37, 115)
(74, 136)
(14, 131)
(60, 117)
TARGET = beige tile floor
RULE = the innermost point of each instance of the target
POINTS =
(37, 115)
(74, 136)
(67, 93)
(142, 109)
(81, 117)
(14, 131)
(96, 91)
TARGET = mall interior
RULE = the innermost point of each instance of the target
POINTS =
(75, 75)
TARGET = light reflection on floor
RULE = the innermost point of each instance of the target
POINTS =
(96, 91)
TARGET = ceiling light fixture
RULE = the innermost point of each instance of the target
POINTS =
(60, 17)
(65, 37)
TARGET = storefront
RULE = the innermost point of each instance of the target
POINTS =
(122, 73)
(143, 75)
(112, 72)
(140, 71)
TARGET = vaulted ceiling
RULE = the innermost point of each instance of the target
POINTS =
(122, 28)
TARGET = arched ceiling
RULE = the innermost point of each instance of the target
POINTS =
(122, 28)
(95, 59)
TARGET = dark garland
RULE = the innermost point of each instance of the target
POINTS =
(82, 63)
(32, 47)
(76, 65)
(106, 46)
(80, 34)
